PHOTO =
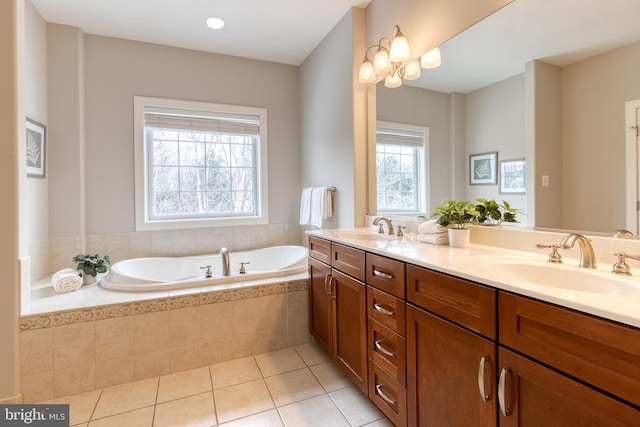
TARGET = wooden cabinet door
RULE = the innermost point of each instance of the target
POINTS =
(444, 367)
(349, 304)
(537, 396)
(320, 315)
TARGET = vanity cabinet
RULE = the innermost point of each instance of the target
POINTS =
(337, 305)
(451, 350)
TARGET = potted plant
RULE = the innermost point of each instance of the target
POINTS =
(491, 212)
(456, 215)
(90, 266)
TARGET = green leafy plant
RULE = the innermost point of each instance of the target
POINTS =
(492, 211)
(455, 214)
(91, 265)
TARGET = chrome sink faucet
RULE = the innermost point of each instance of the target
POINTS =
(224, 255)
(389, 225)
(587, 255)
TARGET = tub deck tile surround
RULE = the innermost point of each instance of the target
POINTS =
(120, 355)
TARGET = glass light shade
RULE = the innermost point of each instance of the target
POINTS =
(381, 62)
(412, 70)
(399, 50)
(215, 23)
(367, 74)
(431, 59)
(393, 80)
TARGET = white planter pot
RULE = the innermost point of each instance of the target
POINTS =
(459, 238)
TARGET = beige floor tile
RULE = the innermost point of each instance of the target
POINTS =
(183, 384)
(242, 400)
(293, 386)
(278, 362)
(263, 419)
(139, 418)
(80, 425)
(192, 411)
(330, 376)
(126, 397)
(380, 423)
(234, 372)
(81, 405)
(319, 411)
(355, 406)
(312, 353)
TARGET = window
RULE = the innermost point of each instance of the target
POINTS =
(400, 168)
(199, 164)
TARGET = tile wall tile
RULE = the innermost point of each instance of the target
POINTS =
(259, 342)
(36, 351)
(149, 365)
(74, 380)
(217, 320)
(73, 345)
(217, 351)
(114, 371)
(186, 357)
(185, 326)
(37, 388)
(114, 338)
(151, 332)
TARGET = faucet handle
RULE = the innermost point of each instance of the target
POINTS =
(621, 266)
(208, 272)
(400, 233)
(554, 256)
(242, 269)
(380, 229)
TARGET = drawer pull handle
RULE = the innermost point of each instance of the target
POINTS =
(481, 378)
(383, 275)
(383, 350)
(383, 310)
(502, 392)
(384, 397)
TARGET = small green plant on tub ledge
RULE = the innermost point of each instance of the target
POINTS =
(455, 214)
(491, 212)
(91, 265)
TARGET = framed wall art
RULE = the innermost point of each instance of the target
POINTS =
(482, 168)
(513, 176)
(36, 148)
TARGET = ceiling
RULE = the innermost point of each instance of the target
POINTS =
(286, 31)
(283, 31)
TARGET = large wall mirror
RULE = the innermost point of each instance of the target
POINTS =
(542, 81)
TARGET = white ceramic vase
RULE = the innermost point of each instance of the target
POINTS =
(459, 237)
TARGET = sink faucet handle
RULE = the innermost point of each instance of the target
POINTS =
(400, 233)
(208, 272)
(554, 256)
(380, 229)
(621, 266)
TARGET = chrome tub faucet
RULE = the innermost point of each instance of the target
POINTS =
(224, 255)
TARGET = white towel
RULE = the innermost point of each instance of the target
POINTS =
(432, 226)
(315, 206)
(66, 280)
(434, 238)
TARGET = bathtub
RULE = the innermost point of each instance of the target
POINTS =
(167, 273)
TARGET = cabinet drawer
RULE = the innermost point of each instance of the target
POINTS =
(388, 395)
(386, 309)
(349, 260)
(386, 274)
(320, 249)
(468, 304)
(600, 352)
(388, 350)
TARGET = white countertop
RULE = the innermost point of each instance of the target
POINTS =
(467, 263)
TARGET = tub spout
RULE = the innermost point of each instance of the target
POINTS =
(224, 254)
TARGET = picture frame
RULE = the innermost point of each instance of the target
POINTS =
(513, 176)
(483, 168)
(36, 142)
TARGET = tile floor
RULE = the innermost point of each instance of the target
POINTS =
(294, 387)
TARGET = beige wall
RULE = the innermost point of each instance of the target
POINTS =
(594, 92)
(12, 16)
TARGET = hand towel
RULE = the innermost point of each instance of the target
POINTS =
(305, 206)
(66, 280)
(432, 226)
(315, 206)
(434, 238)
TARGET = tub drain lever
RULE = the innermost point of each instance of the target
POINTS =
(242, 269)
(208, 272)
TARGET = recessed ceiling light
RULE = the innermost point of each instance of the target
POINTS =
(215, 23)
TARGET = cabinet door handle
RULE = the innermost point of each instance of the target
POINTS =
(481, 378)
(383, 310)
(383, 350)
(382, 274)
(503, 392)
(326, 278)
(331, 295)
(384, 397)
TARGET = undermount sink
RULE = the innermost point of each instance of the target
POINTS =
(364, 235)
(562, 276)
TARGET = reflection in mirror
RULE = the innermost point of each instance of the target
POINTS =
(544, 81)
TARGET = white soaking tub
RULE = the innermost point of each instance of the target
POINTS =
(167, 273)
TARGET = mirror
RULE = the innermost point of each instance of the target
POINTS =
(541, 81)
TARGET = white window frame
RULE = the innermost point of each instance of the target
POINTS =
(143, 220)
(423, 180)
